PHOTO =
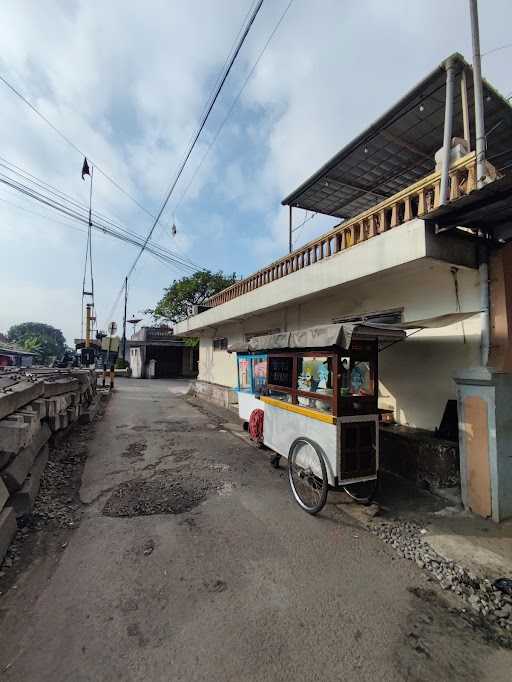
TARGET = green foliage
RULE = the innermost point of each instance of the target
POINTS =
(121, 364)
(37, 337)
(194, 290)
(32, 344)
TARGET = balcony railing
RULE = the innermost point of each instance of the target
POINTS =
(412, 202)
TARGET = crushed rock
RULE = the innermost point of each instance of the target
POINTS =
(143, 497)
(479, 593)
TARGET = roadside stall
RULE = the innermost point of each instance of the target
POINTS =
(315, 403)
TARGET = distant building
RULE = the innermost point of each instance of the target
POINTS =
(156, 353)
(12, 355)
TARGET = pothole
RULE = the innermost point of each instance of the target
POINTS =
(135, 450)
(156, 496)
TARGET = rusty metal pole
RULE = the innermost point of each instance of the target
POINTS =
(290, 223)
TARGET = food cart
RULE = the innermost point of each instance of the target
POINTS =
(315, 403)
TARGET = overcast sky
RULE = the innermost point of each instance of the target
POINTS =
(127, 82)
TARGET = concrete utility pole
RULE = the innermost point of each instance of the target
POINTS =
(479, 97)
(124, 316)
(483, 254)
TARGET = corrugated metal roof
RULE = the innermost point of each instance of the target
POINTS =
(398, 149)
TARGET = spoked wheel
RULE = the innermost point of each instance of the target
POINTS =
(362, 492)
(308, 474)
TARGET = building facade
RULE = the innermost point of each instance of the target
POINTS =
(423, 243)
(155, 353)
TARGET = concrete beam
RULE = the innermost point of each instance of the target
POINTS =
(4, 494)
(17, 471)
(23, 501)
(8, 529)
(18, 395)
(60, 386)
(15, 434)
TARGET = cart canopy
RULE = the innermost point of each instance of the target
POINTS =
(322, 336)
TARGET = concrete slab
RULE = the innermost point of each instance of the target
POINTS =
(88, 412)
(17, 471)
(15, 434)
(19, 394)
(23, 501)
(60, 386)
(8, 529)
(4, 494)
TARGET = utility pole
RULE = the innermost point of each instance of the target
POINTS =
(479, 97)
(124, 316)
(483, 253)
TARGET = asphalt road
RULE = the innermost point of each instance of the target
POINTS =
(242, 586)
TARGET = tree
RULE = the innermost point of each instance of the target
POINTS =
(193, 290)
(37, 337)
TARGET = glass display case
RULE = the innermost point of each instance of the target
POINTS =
(336, 382)
(252, 373)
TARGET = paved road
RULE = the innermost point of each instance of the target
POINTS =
(243, 586)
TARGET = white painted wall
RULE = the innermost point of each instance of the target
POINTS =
(416, 375)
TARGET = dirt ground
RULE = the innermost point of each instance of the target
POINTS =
(185, 558)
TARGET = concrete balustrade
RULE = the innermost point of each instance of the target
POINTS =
(412, 202)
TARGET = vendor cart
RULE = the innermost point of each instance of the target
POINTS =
(315, 403)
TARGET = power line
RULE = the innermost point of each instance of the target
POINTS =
(122, 234)
(233, 104)
(72, 144)
(199, 131)
(57, 199)
(496, 49)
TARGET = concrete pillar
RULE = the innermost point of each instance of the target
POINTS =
(484, 399)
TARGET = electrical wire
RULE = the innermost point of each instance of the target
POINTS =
(72, 144)
(66, 198)
(204, 118)
(496, 49)
(199, 131)
(233, 104)
(82, 217)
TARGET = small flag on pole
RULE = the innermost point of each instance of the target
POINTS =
(85, 169)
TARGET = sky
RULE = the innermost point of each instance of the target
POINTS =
(127, 82)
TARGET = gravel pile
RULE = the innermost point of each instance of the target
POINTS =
(141, 497)
(479, 593)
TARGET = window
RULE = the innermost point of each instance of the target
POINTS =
(244, 374)
(315, 376)
(384, 317)
(252, 373)
(280, 371)
(356, 378)
(259, 373)
(220, 344)
(305, 379)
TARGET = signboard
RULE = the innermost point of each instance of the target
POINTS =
(280, 371)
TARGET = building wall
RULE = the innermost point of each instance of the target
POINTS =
(416, 375)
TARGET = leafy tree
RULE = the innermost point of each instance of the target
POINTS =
(32, 344)
(49, 341)
(193, 290)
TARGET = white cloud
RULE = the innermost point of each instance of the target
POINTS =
(127, 84)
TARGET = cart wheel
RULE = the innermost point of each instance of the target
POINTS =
(308, 474)
(362, 492)
(274, 461)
